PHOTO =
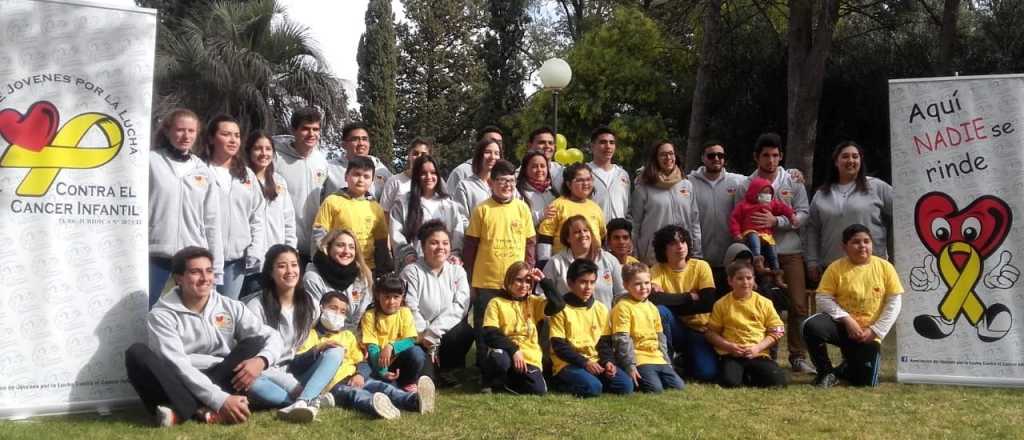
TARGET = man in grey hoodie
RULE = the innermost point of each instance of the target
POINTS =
(356, 142)
(203, 350)
(714, 189)
(304, 167)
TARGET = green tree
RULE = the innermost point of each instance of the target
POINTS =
(504, 57)
(440, 78)
(627, 75)
(378, 66)
(245, 60)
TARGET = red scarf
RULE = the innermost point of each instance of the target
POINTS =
(539, 185)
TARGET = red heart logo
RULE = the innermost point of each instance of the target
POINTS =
(34, 130)
(983, 224)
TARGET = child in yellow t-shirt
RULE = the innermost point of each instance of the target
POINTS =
(581, 339)
(513, 360)
(641, 348)
(389, 335)
(354, 210)
(742, 327)
(350, 388)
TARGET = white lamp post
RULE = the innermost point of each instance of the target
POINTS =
(555, 74)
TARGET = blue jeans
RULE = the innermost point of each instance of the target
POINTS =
(757, 247)
(234, 276)
(159, 272)
(656, 378)
(701, 361)
(314, 379)
(582, 383)
(361, 399)
(409, 365)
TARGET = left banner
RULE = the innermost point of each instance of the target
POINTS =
(76, 82)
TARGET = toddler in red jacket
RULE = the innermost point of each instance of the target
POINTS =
(760, 197)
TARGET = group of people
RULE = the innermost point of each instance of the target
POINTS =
(299, 282)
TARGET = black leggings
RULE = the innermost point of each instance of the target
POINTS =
(757, 372)
(451, 352)
(862, 359)
(157, 382)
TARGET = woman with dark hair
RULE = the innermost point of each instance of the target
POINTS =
(279, 211)
(858, 300)
(427, 200)
(578, 238)
(686, 295)
(534, 183)
(664, 196)
(285, 306)
(184, 204)
(241, 203)
(397, 186)
(577, 190)
(475, 189)
(847, 197)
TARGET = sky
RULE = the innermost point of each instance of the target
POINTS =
(334, 24)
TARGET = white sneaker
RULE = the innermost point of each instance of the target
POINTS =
(384, 408)
(325, 400)
(298, 412)
(165, 417)
(427, 394)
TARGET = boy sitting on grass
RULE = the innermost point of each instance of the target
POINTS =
(389, 334)
(580, 338)
(350, 388)
(641, 348)
(743, 325)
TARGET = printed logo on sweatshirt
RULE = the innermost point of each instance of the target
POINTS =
(624, 181)
(221, 321)
(199, 179)
(607, 277)
(280, 188)
(786, 195)
(319, 176)
(685, 192)
(357, 295)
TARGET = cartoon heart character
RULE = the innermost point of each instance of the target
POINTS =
(961, 240)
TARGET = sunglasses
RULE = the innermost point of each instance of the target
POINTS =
(715, 155)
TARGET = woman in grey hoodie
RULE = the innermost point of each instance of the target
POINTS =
(339, 265)
(426, 200)
(278, 209)
(241, 203)
(663, 197)
(184, 205)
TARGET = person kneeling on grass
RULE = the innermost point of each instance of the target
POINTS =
(513, 359)
(350, 387)
(859, 298)
(742, 327)
(581, 339)
(204, 350)
(641, 348)
(389, 335)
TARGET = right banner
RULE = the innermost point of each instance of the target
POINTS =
(957, 156)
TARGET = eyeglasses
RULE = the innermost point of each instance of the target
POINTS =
(714, 156)
(522, 280)
(358, 139)
(507, 181)
(582, 180)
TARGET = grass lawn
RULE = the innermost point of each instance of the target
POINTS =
(699, 411)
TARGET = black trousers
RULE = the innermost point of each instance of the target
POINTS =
(861, 359)
(500, 374)
(480, 302)
(451, 352)
(157, 383)
(758, 372)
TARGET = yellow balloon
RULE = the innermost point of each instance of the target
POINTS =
(563, 157)
(575, 155)
(560, 142)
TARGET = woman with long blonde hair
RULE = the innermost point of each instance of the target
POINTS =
(338, 265)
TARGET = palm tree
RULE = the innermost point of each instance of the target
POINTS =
(247, 60)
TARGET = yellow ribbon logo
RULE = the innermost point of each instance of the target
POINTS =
(64, 151)
(961, 295)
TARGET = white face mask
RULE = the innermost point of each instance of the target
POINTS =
(332, 321)
(764, 198)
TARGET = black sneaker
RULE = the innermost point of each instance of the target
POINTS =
(827, 380)
(446, 380)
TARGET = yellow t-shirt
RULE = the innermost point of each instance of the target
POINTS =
(631, 259)
(861, 289)
(565, 208)
(744, 322)
(642, 322)
(502, 229)
(696, 277)
(517, 320)
(386, 329)
(582, 327)
(364, 217)
(347, 340)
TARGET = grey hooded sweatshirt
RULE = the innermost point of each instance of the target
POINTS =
(192, 341)
(184, 208)
(305, 177)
